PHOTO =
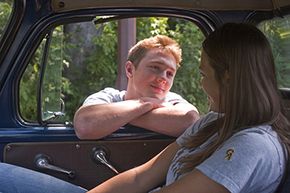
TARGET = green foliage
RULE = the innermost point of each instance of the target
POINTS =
(5, 12)
(101, 63)
(28, 86)
(101, 71)
(52, 84)
(99, 67)
(278, 34)
(151, 26)
(187, 80)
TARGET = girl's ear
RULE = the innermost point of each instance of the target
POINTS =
(129, 69)
(227, 77)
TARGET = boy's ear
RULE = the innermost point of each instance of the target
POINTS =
(129, 69)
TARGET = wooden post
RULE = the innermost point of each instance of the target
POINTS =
(126, 39)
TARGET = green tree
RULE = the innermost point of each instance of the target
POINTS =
(278, 34)
(5, 12)
(99, 68)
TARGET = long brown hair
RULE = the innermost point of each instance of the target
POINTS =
(249, 98)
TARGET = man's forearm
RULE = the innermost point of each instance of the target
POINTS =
(97, 121)
(167, 120)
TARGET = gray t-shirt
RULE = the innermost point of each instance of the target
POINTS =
(250, 161)
(111, 95)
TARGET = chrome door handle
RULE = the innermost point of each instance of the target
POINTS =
(44, 162)
(99, 155)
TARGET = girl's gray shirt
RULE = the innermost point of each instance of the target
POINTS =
(251, 161)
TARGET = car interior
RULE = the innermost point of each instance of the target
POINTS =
(56, 53)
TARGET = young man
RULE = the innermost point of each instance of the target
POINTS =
(148, 103)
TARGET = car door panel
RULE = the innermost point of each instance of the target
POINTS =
(77, 157)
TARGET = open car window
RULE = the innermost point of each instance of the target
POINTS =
(277, 31)
(6, 7)
(78, 59)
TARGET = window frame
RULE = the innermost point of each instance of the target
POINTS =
(198, 18)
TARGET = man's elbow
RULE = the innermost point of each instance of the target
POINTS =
(82, 128)
(188, 119)
(86, 129)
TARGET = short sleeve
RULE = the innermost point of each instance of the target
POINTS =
(209, 117)
(249, 160)
(174, 98)
(106, 96)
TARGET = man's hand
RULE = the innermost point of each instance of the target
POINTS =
(157, 103)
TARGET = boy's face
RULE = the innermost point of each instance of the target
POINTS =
(153, 76)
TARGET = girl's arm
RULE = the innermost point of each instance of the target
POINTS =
(194, 182)
(142, 178)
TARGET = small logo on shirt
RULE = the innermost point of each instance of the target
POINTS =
(229, 154)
